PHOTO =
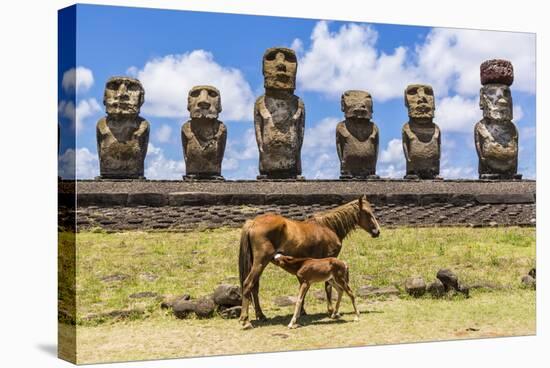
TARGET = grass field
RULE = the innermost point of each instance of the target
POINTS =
(196, 262)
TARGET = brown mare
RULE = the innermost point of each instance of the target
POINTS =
(320, 236)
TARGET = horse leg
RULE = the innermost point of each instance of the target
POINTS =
(328, 291)
(304, 286)
(335, 314)
(256, 300)
(248, 285)
(303, 309)
(348, 291)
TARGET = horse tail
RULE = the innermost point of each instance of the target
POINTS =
(245, 253)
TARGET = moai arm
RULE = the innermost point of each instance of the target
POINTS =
(185, 137)
(301, 124)
(376, 139)
(258, 126)
(406, 142)
(142, 135)
(221, 137)
(101, 131)
(339, 143)
(478, 138)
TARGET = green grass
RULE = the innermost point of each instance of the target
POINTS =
(196, 262)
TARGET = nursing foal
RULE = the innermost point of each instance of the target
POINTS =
(311, 270)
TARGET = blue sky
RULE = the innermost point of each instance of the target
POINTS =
(170, 51)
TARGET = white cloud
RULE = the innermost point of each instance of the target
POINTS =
(163, 133)
(167, 81)
(85, 109)
(82, 160)
(79, 80)
(393, 153)
(321, 135)
(297, 45)
(391, 171)
(157, 166)
(457, 114)
(348, 59)
(448, 59)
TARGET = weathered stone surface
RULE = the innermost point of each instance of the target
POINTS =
(122, 136)
(372, 291)
(114, 277)
(171, 300)
(183, 308)
(230, 313)
(143, 294)
(205, 307)
(357, 136)
(415, 286)
(421, 136)
(496, 136)
(529, 281)
(227, 295)
(448, 278)
(285, 301)
(279, 117)
(203, 137)
(496, 71)
(436, 289)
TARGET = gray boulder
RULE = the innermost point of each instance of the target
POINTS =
(227, 295)
(436, 289)
(448, 278)
(230, 313)
(529, 281)
(183, 308)
(415, 286)
(205, 307)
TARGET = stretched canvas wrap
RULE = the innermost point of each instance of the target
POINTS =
(233, 184)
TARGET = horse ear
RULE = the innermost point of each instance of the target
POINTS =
(360, 203)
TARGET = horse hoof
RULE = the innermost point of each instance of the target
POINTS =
(261, 318)
(335, 316)
(248, 326)
(293, 326)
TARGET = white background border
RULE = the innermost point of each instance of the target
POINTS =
(28, 209)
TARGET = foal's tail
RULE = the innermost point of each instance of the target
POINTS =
(245, 253)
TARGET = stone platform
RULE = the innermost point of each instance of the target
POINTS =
(180, 206)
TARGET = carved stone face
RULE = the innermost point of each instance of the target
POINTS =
(419, 99)
(123, 96)
(279, 68)
(496, 102)
(204, 102)
(357, 104)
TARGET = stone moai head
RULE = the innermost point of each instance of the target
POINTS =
(123, 96)
(420, 101)
(357, 104)
(279, 68)
(495, 97)
(204, 102)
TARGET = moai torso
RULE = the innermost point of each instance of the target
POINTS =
(122, 136)
(357, 137)
(496, 136)
(279, 117)
(204, 136)
(421, 136)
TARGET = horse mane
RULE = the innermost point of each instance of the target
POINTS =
(342, 219)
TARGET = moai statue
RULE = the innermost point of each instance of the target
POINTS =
(123, 135)
(203, 136)
(496, 136)
(421, 136)
(357, 137)
(279, 117)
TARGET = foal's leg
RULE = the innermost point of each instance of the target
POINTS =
(328, 291)
(304, 286)
(335, 313)
(348, 291)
